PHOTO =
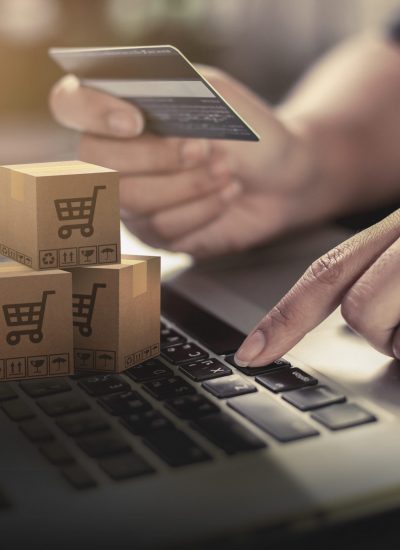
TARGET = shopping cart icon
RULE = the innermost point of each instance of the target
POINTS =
(83, 308)
(79, 211)
(29, 317)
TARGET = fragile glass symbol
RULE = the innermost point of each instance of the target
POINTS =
(37, 363)
(87, 253)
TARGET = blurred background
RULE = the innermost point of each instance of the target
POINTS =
(265, 43)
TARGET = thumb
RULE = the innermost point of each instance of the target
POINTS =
(88, 110)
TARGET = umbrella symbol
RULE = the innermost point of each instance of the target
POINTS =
(87, 253)
(106, 357)
(83, 357)
(107, 251)
(58, 361)
(37, 363)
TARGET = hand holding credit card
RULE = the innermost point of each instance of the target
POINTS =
(174, 98)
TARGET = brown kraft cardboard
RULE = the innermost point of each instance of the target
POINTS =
(116, 314)
(59, 214)
(35, 323)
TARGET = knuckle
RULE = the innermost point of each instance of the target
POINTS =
(353, 307)
(165, 155)
(278, 316)
(201, 184)
(131, 195)
(329, 268)
(159, 227)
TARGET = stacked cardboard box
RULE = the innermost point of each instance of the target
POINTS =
(74, 300)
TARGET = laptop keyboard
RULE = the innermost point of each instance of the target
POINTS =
(186, 407)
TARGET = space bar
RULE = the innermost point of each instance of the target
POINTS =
(272, 417)
(212, 332)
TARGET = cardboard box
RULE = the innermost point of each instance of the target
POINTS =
(116, 314)
(59, 214)
(35, 323)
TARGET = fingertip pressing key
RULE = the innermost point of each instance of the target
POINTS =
(250, 349)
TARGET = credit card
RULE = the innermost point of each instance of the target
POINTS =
(175, 99)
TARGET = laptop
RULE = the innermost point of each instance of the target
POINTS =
(187, 450)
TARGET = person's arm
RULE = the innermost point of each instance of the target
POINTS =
(361, 275)
(348, 107)
(329, 149)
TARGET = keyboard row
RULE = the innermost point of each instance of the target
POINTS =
(97, 437)
(298, 388)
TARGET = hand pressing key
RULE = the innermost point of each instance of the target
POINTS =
(362, 275)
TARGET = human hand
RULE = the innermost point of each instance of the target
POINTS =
(198, 196)
(361, 275)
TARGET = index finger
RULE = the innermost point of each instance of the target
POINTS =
(89, 110)
(316, 294)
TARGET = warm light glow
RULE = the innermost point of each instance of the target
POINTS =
(28, 20)
(170, 261)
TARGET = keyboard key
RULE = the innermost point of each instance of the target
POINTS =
(255, 371)
(184, 353)
(60, 405)
(226, 433)
(340, 417)
(78, 477)
(286, 379)
(141, 424)
(167, 388)
(17, 410)
(36, 431)
(56, 453)
(206, 369)
(175, 448)
(101, 445)
(41, 388)
(313, 397)
(169, 337)
(82, 424)
(6, 392)
(150, 370)
(229, 387)
(124, 403)
(272, 417)
(191, 406)
(103, 384)
(125, 466)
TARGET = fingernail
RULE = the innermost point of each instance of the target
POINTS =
(70, 83)
(231, 191)
(125, 124)
(251, 347)
(194, 152)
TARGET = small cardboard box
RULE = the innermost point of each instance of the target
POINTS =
(35, 323)
(116, 314)
(59, 214)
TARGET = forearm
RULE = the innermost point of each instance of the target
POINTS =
(347, 109)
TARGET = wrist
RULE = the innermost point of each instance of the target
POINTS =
(327, 166)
